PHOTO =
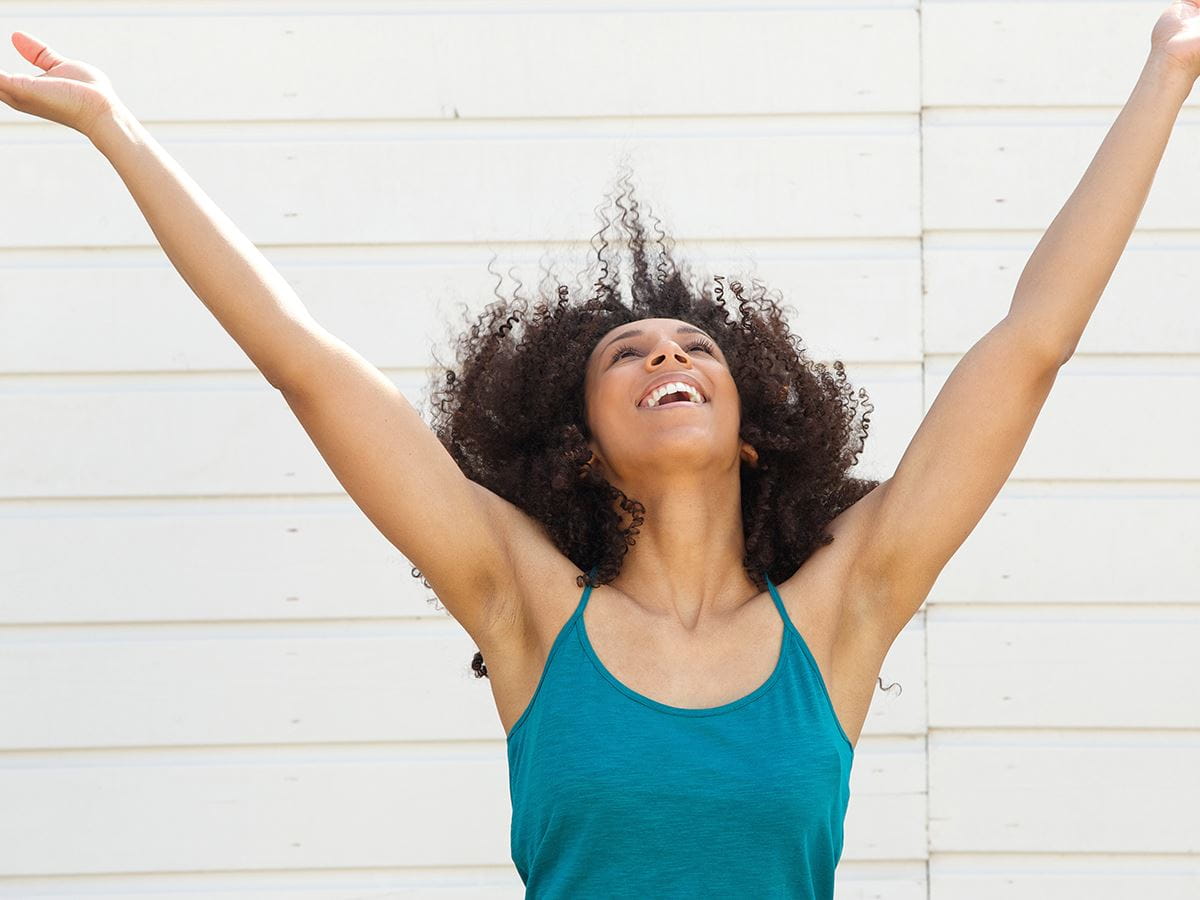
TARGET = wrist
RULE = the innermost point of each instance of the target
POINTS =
(115, 124)
(1162, 66)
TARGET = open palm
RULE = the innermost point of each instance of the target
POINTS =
(67, 91)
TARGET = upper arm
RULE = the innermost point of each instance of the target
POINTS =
(952, 470)
(399, 474)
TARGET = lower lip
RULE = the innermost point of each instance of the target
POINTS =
(677, 403)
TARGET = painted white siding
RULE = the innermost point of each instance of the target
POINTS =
(218, 678)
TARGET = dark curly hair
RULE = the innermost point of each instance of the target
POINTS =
(511, 414)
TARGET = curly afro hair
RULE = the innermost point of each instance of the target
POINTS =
(511, 414)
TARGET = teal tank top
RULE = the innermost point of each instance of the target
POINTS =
(615, 795)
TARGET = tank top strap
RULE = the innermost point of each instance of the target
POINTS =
(783, 614)
(587, 592)
(810, 661)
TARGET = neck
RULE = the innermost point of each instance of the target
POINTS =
(687, 563)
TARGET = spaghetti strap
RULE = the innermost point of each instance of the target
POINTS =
(811, 662)
(787, 620)
(583, 599)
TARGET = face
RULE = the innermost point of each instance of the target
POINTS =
(633, 442)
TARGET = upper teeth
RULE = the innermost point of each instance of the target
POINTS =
(671, 388)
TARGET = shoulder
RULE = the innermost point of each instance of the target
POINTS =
(836, 590)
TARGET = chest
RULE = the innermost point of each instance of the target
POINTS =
(696, 672)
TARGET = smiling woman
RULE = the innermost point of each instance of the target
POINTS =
(544, 411)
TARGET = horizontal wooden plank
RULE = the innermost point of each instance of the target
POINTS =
(1040, 543)
(888, 826)
(420, 64)
(969, 285)
(157, 437)
(321, 809)
(293, 683)
(1076, 876)
(330, 683)
(343, 188)
(856, 301)
(900, 880)
(195, 561)
(244, 440)
(994, 170)
(1090, 667)
(1081, 792)
(1066, 59)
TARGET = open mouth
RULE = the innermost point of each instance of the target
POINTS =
(690, 397)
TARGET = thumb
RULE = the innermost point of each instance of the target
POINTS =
(35, 51)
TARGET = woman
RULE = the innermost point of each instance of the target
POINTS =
(653, 750)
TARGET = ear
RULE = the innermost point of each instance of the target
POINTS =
(749, 455)
(594, 462)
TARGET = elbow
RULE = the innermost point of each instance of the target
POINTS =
(1062, 351)
(1052, 350)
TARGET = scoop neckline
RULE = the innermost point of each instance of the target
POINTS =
(755, 694)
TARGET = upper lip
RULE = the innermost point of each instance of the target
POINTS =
(667, 379)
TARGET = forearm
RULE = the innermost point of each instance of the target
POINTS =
(1072, 263)
(246, 294)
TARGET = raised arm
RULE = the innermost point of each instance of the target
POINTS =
(454, 530)
(229, 275)
(974, 432)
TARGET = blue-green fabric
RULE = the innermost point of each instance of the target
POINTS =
(615, 795)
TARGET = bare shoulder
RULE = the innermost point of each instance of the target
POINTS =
(834, 578)
(830, 598)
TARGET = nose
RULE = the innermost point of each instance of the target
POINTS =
(672, 350)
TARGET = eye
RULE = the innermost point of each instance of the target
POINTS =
(626, 348)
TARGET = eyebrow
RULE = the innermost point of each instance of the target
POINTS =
(634, 332)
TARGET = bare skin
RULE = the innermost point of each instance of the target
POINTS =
(682, 463)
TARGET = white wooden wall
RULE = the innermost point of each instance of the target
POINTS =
(219, 679)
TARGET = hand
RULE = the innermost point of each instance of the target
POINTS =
(67, 91)
(1176, 36)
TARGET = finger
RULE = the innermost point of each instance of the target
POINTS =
(15, 84)
(35, 51)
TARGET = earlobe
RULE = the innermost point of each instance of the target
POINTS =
(593, 461)
(750, 455)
